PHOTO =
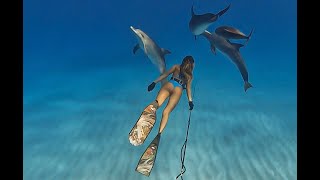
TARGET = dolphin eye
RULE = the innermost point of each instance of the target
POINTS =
(142, 35)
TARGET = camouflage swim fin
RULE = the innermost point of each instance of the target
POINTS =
(148, 158)
(144, 125)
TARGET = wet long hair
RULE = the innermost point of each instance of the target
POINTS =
(186, 69)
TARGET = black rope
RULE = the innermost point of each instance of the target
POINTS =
(184, 146)
(183, 151)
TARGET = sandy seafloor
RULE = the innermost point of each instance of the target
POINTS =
(76, 124)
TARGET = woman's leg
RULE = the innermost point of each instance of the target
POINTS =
(164, 93)
(173, 101)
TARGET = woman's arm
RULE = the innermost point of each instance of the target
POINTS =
(189, 91)
(166, 74)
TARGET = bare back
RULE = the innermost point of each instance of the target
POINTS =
(176, 71)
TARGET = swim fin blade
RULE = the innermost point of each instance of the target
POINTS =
(144, 125)
(148, 158)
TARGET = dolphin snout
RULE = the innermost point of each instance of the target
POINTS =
(132, 28)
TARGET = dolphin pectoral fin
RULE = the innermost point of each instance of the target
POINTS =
(195, 37)
(247, 85)
(228, 41)
(223, 11)
(213, 49)
(136, 47)
(237, 46)
(165, 51)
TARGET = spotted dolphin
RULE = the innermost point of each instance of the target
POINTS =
(151, 49)
(232, 51)
(229, 32)
(199, 23)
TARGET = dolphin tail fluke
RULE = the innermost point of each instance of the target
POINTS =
(165, 51)
(163, 81)
(247, 85)
(223, 11)
(249, 36)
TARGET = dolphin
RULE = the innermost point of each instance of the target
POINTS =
(199, 23)
(232, 33)
(232, 51)
(151, 49)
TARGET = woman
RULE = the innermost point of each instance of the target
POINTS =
(181, 79)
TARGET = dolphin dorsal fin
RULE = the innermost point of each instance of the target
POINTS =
(192, 12)
(165, 51)
(237, 45)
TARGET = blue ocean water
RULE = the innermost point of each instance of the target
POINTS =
(84, 90)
